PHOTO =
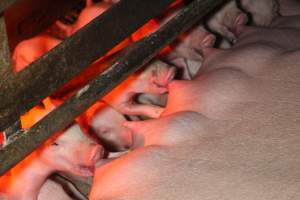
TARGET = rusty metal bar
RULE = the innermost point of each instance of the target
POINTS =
(139, 54)
(68, 59)
(4, 4)
(5, 63)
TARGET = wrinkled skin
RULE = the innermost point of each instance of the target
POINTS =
(154, 79)
(234, 134)
(70, 152)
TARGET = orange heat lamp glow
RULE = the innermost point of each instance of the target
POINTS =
(145, 30)
(27, 121)
(1, 138)
(37, 113)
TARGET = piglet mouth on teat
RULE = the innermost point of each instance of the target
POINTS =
(164, 82)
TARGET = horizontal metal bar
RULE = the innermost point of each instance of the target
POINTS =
(139, 54)
(61, 64)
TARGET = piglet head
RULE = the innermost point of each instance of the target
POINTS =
(157, 76)
(86, 16)
(72, 152)
(106, 123)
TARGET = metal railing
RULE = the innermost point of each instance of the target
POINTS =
(29, 87)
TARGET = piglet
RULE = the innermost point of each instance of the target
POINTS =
(30, 50)
(105, 118)
(263, 11)
(69, 151)
(226, 21)
(106, 124)
(187, 53)
(154, 79)
(89, 13)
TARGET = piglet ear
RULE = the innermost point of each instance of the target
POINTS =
(66, 30)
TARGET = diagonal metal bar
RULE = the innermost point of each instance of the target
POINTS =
(138, 55)
(68, 59)
(4, 4)
(5, 63)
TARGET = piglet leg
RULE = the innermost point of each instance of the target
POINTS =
(131, 108)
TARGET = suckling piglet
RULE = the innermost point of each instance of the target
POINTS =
(106, 123)
(154, 79)
(69, 151)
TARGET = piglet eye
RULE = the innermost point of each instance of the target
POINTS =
(55, 143)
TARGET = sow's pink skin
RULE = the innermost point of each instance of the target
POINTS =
(69, 151)
(233, 131)
(187, 52)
